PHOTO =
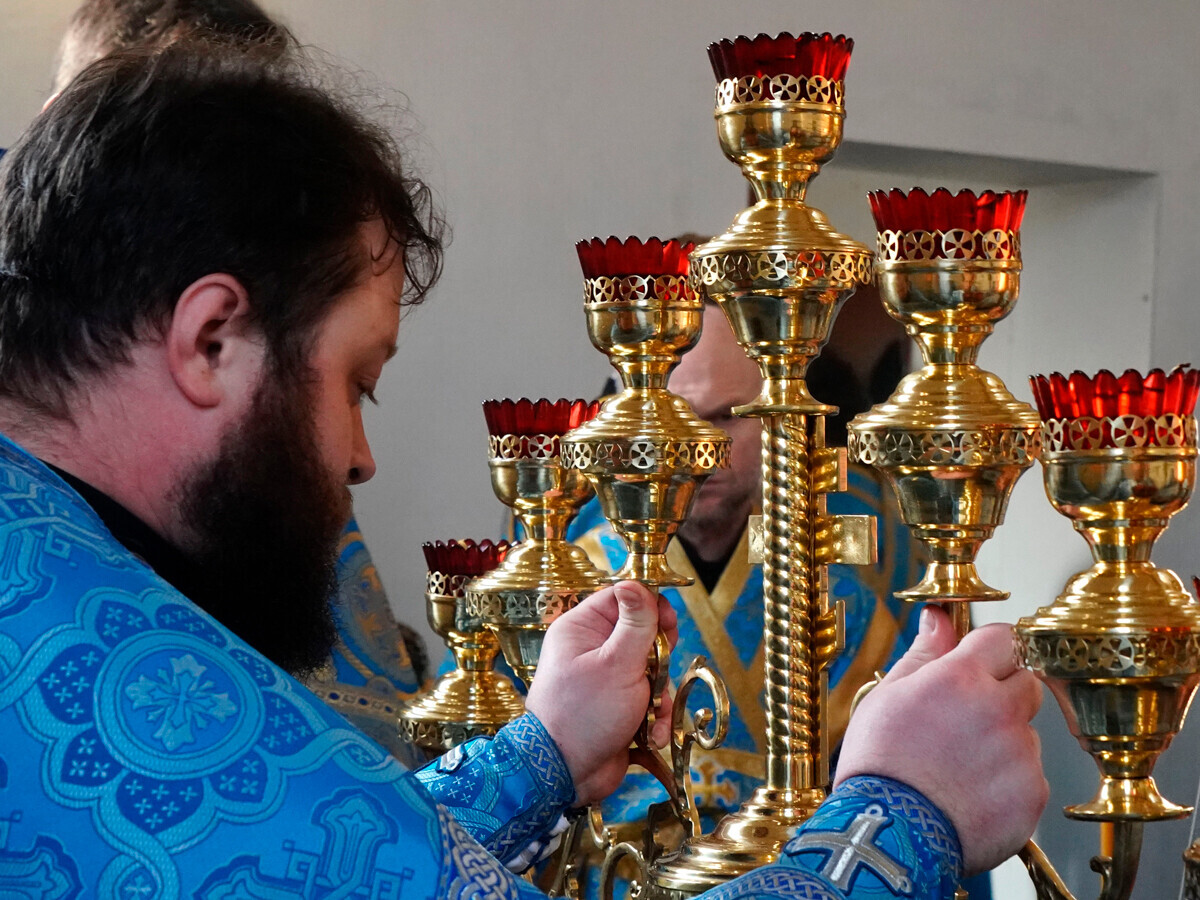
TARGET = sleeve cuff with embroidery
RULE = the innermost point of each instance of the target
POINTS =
(510, 792)
(875, 836)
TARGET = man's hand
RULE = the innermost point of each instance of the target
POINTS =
(591, 690)
(953, 722)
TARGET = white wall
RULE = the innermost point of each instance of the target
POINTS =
(540, 122)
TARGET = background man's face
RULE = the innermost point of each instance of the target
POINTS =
(713, 377)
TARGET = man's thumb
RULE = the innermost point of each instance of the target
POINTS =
(636, 606)
(637, 622)
(934, 640)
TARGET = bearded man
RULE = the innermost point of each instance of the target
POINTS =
(364, 664)
(202, 263)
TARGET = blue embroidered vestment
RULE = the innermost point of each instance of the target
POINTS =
(149, 754)
(370, 673)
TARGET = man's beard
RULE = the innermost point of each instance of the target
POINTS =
(265, 517)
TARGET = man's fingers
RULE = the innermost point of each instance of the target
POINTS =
(668, 622)
(1026, 692)
(993, 648)
(934, 640)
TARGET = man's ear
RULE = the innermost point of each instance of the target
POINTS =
(212, 353)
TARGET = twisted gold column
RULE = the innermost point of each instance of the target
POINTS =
(794, 760)
(802, 635)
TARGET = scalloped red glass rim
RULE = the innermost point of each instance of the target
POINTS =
(526, 417)
(763, 56)
(464, 557)
(613, 257)
(1104, 394)
(916, 210)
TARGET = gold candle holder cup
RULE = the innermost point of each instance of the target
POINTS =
(647, 451)
(951, 440)
(472, 699)
(544, 575)
(1120, 647)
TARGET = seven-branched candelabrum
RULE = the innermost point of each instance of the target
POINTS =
(1120, 647)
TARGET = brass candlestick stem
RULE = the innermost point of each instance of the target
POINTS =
(543, 575)
(472, 699)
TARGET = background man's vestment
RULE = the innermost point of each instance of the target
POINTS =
(726, 626)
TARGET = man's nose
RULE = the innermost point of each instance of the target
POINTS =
(362, 463)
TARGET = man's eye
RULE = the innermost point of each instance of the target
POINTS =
(366, 393)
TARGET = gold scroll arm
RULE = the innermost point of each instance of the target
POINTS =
(643, 753)
(708, 728)
(1117, 873)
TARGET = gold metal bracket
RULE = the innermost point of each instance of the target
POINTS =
(829, 630)
(850, 540)
(1117, 873)
(758, 545)
(829, 470)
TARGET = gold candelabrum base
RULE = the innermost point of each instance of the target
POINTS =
(544, 575)
(951, 440)
(1120, 647)
(472, 699)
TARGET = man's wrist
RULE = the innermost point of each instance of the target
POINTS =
(878, 833)
(543, 756)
